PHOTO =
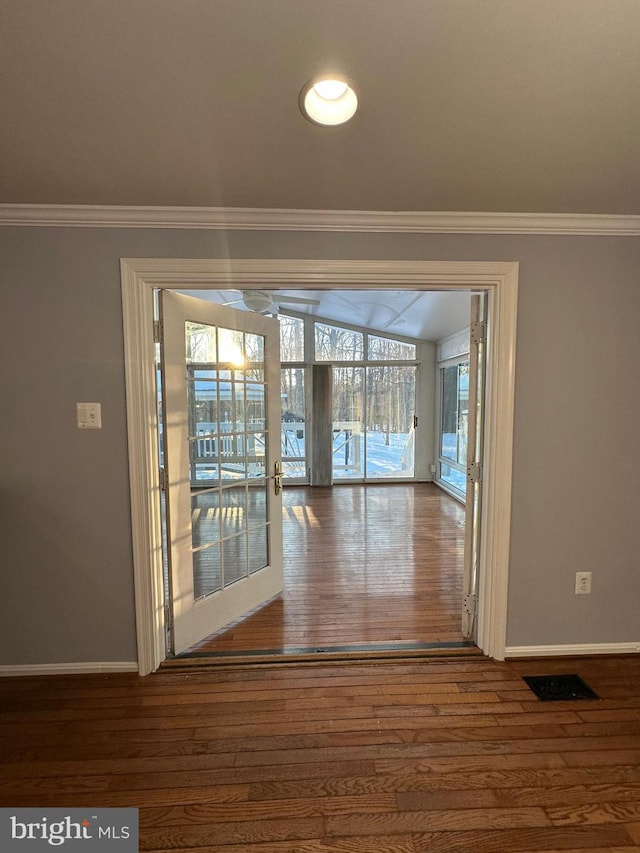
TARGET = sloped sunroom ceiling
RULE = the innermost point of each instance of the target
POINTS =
(422, 314)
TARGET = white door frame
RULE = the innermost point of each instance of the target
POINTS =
(140, 276)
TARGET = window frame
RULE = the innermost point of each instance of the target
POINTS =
(310, 322)
(458, 494)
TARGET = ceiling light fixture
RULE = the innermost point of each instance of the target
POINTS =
(328, 100)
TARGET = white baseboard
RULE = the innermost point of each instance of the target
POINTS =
(577, 649)
(83, 668)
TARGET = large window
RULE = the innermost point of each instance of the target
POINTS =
(293, 422)
(293, 398)
(454, 423)
(334, 343)
(348, 422)
(391, 407)
(373, 394)
(388, 349)
(291, 338)
(373, 421)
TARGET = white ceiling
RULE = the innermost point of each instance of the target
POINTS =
(499, 105)
(424, 315)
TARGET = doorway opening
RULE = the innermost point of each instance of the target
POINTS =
(366, 569)
(140, 277)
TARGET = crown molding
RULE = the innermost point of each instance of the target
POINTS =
(265, 219)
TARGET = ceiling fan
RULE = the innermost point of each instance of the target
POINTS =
(267, 302)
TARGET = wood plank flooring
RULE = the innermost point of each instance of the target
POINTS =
(363, 565)
(439, 756)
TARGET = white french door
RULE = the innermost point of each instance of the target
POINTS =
(475, 442)
(221, 415)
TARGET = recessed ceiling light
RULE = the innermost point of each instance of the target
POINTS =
(328, 100)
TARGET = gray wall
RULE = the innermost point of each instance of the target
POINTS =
(67, 580)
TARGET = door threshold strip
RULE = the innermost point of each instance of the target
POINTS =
(323, 654)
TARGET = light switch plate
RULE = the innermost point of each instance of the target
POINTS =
(89, 415)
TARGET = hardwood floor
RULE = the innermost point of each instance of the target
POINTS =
(363, 565)
(439, 756)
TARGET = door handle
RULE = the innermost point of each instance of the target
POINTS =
(277, 477)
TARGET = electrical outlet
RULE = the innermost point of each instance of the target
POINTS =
(583, 583)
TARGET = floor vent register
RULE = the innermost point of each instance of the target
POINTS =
(556, 688)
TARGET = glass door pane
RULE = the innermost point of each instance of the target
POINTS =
(293, 422)
(348, 422)
(390, 434)
(226, 397)
(454, 424)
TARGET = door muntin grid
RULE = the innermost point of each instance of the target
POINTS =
(228, 455)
